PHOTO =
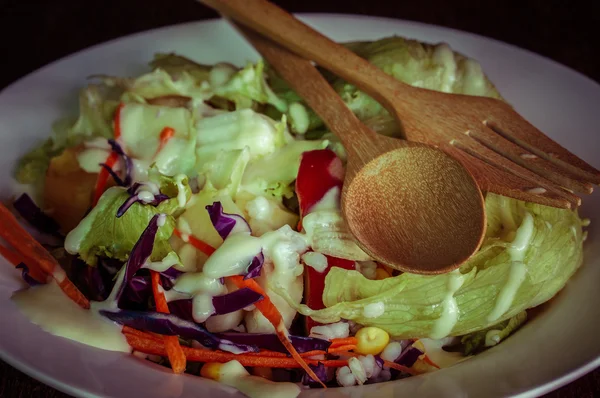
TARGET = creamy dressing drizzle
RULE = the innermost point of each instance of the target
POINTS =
(235, 375)
(299, 117)
(202, 307)
(181, 198)
(49, 308)
(329, 201)
(518, 270)
(445, 323)
(444, 55)
(90, 159)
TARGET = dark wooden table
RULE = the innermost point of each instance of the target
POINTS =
(36, 32)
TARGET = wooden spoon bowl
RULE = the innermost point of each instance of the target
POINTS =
(383, 204)
(409, 205)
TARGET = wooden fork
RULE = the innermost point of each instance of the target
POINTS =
(506, 154)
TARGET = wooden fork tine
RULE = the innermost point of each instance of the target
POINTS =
(513, 175)
(548, 170)
(518, 130)
(492, 179)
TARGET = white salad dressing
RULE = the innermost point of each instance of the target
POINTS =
(329, 201)
(167, 262)
(198, 283)
(233, 256)
(299, 117)
(202, 307)
(181, 198)
(145, 196)
(315, 260)
(90, 159)
(374, 310)
(445, 323)
(444, 55)
(518, 270)
(233, 374)
(49, 307)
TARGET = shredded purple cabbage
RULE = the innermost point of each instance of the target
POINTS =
(171, 325)
(126, 159)
(35, 216)
(97, 282)
(134, 198)
(25, 275)
(321, 373)
(235, 300)
(169, 276)
(112, 174)
(255, 266)
(223, 304)
(140, 253)
(225, 223)
(137, 292)
(409, 356)
(271, 342)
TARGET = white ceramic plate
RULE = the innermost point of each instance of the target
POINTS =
(554, 349)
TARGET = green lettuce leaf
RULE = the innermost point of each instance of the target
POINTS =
(176, 65)
(101, 233)
(476, 342)
(97, 104)
(431, 66)
(414, 303)
(248, 85)
(273, 174)
(237, 130)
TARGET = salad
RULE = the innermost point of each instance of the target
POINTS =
(191, 216)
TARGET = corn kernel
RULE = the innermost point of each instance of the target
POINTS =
(381, 273)
(211, 370)
(371, 340)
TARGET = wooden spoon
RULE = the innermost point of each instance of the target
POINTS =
(409, 205)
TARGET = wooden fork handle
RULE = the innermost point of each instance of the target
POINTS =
(306, 80)
(292, 34)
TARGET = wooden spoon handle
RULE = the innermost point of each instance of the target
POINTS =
(310, 85)
(289, 32)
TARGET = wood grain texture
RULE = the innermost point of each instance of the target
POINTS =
(451, 118)
(38, 32)
(439, 217)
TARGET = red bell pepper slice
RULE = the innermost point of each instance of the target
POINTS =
(320, 171)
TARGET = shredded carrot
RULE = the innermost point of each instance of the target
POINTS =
(37, 258)
(307, 354)
(165, 135)
(173, 348)
(341, 348)
(344, 341)
(269, 311)
(197, 243)
(117, 120)
(15, 259)
(103, 177)
(111, 160)
(149, 345)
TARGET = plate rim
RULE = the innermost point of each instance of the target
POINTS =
(538, 390)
